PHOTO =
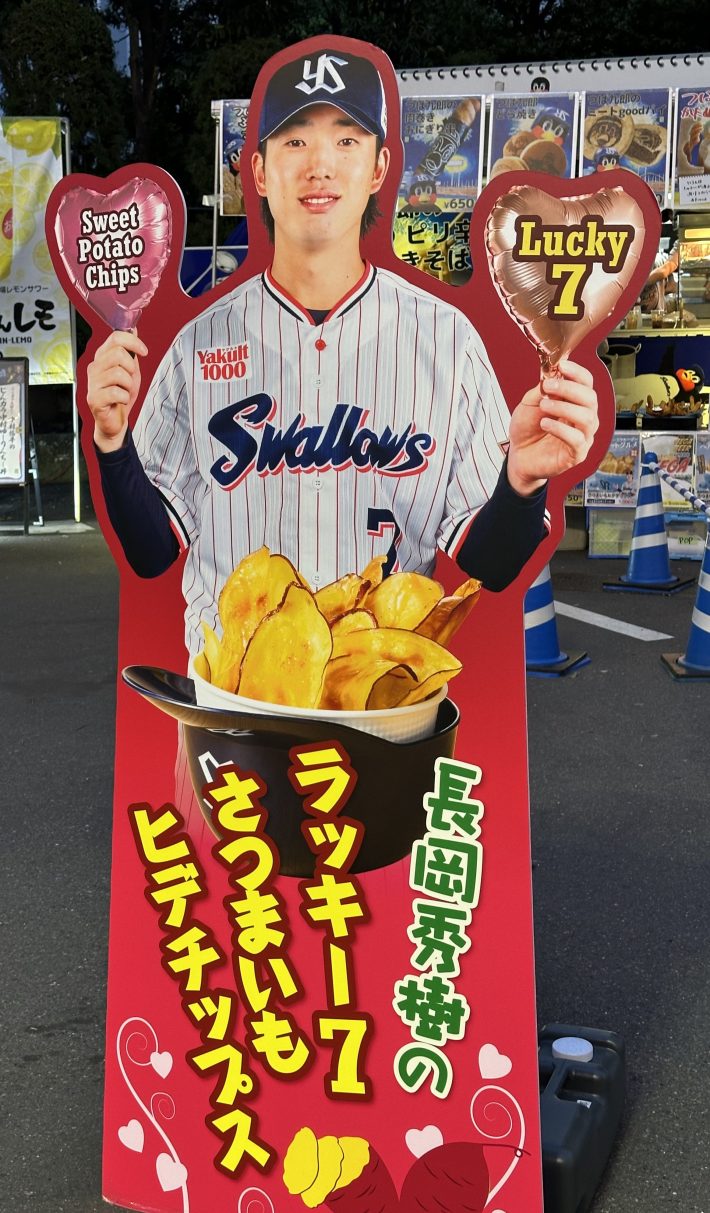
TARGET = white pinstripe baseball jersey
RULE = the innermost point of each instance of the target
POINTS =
(380, 430)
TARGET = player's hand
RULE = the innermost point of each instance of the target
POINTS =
(114, 380)
(553, 428)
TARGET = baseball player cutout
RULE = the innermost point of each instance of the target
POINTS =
(332, 409)
(327, 408)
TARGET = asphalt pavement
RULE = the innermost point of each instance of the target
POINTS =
(621, 835)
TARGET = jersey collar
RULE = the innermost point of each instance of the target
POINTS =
(296, 309)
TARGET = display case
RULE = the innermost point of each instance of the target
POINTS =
(694, 267)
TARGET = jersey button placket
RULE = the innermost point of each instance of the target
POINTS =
(324, 484)
(320, 345)
(311, 479)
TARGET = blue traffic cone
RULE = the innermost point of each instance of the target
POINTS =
(695, 662)
(543, 656)
(649, 568)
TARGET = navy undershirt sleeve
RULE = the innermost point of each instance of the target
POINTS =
(503, 535)
(136, 511)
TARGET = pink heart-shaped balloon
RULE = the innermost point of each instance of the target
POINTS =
(115, 246)
(524, 284)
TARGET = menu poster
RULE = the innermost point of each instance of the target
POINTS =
(443, 162)
(232, 125)
(629, 130)
(616, 480)
(443, 139)
(531, 133)
(693, 146)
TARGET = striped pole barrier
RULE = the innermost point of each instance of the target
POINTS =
(543, 655)
(681, 487)
(649, 567)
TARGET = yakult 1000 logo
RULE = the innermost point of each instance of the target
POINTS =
(224, 362)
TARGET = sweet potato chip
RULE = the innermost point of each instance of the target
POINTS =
(421, 655)
(349, 681)
(285, 659)
(330, 1160)
(467, 588)
(352, 621)
(255, 588)
(356, 1156)
(338, 597)
(371, 577)
(424, 689)
(391, 688)
(403, 600)
(301, 1162)
(201, 666)
(446, 617)
(211, 651)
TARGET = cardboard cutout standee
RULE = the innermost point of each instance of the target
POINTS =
(321, 985)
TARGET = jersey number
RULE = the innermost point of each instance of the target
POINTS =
(378, 521)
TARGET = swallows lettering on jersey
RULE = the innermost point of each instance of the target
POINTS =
(343, 441)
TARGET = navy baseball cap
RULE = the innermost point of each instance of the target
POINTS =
(347, 82)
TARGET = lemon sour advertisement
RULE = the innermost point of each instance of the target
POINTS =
(34, 312)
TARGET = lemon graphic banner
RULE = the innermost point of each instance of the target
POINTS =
(34, 312)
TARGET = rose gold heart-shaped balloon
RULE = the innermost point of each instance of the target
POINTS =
(115, 246)
(523, 284)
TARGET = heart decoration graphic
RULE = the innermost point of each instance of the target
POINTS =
(421, 1141)
(171, 1173)
(132, 1136)
(114, 246)
(562, 265)
(162, 1063)
(493, 1064)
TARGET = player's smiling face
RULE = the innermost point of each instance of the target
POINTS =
(318, 174)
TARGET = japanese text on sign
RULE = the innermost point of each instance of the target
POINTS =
(250, 1027)
(446, 867)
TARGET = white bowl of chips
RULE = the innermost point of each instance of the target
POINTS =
(411, 723)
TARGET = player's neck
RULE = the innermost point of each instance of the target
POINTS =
(317, 280)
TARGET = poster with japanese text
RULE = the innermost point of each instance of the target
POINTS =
(693, 146)
(629, 130)
(676, 455)
(534, 134)
(326, 497)
(443, 162)
(34, 313)
(232, 128)
(616, 480)
(13, 421)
